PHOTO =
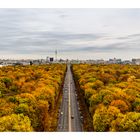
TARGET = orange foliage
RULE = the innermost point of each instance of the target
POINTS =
(31, 91)
(108, 87)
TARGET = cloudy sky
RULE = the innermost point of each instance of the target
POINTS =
(74, 33)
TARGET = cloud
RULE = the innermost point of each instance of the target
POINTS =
(63, 16)
(104, 48)
(38, 31)
(41, 41)
(130, 36)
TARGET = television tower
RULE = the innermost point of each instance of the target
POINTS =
(55, 55)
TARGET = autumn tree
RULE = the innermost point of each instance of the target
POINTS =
(15, 122)
(103, 117)
(129, 122)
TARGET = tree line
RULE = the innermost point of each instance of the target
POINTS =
(29, 97)
(112, 95)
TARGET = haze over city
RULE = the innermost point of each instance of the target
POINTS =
(74, 33)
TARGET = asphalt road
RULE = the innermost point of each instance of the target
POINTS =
(69, 116)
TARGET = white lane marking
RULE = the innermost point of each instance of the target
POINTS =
(69, 101)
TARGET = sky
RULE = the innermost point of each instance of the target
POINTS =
(74, 33)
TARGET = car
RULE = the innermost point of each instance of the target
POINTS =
(61, 113)
(72, 117)
(81, 117)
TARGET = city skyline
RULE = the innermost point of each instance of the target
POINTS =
(74, 33)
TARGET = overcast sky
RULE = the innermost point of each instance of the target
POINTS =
(75, 33)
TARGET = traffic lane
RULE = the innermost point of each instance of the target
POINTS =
(76, 121)
(63, 120)
(77, 115)
(72, 108)
(63, 114)
(65, 125)
(76, 124)
(65, 111)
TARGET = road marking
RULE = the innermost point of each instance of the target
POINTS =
(69, 101)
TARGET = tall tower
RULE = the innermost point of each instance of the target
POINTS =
(55, 55)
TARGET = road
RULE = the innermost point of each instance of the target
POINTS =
(69, 116)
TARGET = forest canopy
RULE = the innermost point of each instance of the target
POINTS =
(29, 96)
(112, 95)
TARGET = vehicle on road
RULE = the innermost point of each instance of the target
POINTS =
(72, 117)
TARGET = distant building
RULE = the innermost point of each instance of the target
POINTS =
(90, 61)
(100, 61)
(31, 63)
(51, 59)
(47, 59)
(17, 64)
(127, 62)
(118, 61)
(136, 61)
(133, 61)
(36, 62)
(115, 61)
